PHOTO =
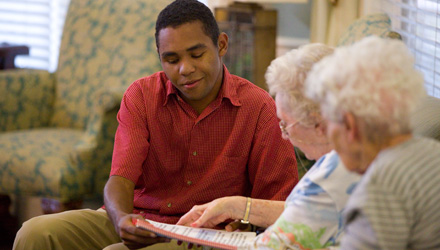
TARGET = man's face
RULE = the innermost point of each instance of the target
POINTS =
(192, 61)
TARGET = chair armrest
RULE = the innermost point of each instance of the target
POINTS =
(107, 102)
(96, 147)
(117, 93)
(26, 98)
(426, 118)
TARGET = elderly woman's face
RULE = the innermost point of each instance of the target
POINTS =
(305, 138)
(341, 137)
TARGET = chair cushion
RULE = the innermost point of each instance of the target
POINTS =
(41, 162)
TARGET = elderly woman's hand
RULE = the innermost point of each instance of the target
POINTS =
(215, 212)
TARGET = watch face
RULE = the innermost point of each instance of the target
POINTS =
(244, 221)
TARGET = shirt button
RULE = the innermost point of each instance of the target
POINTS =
(169, 204)
(189, 182)
(195, 153)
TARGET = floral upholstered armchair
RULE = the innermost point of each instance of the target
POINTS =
(426, 120)
(374, 24)
(57, 130)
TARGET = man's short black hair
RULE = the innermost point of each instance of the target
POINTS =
(185, 11)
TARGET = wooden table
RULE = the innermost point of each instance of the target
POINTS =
(8, 53)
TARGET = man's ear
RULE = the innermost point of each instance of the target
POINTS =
(351, 125)
(222, 44)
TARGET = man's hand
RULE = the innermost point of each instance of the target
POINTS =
(118, 200)
(238, 226)
(213, 213)
(134, 237)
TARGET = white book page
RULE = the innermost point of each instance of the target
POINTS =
(239, 239)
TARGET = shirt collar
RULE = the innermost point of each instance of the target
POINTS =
(228, 89)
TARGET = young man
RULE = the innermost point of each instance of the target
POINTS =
(187, 135)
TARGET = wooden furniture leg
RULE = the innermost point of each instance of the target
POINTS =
(8, 222)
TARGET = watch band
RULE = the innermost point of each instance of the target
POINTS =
(245, 219)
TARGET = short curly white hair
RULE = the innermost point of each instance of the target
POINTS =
(375, 80)
(286, 76)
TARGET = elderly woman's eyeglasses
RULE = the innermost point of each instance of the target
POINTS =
(284, 127)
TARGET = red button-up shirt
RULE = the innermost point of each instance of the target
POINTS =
(178, 158)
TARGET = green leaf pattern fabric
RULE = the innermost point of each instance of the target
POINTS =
(373, 24)
(26, 99)
(57, 130)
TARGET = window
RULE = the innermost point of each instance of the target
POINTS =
(418, 21)
(37, 24)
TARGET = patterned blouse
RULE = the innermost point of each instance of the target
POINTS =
(312, 217)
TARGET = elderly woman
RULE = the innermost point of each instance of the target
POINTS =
(312, 212)
(367, 93)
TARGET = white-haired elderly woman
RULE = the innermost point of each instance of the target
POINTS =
(367, 92)
(311, 216)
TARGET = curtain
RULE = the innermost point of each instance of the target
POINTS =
(37, 24)
(330, 18)
(418, 22)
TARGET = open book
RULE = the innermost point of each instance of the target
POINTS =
(202, 236)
